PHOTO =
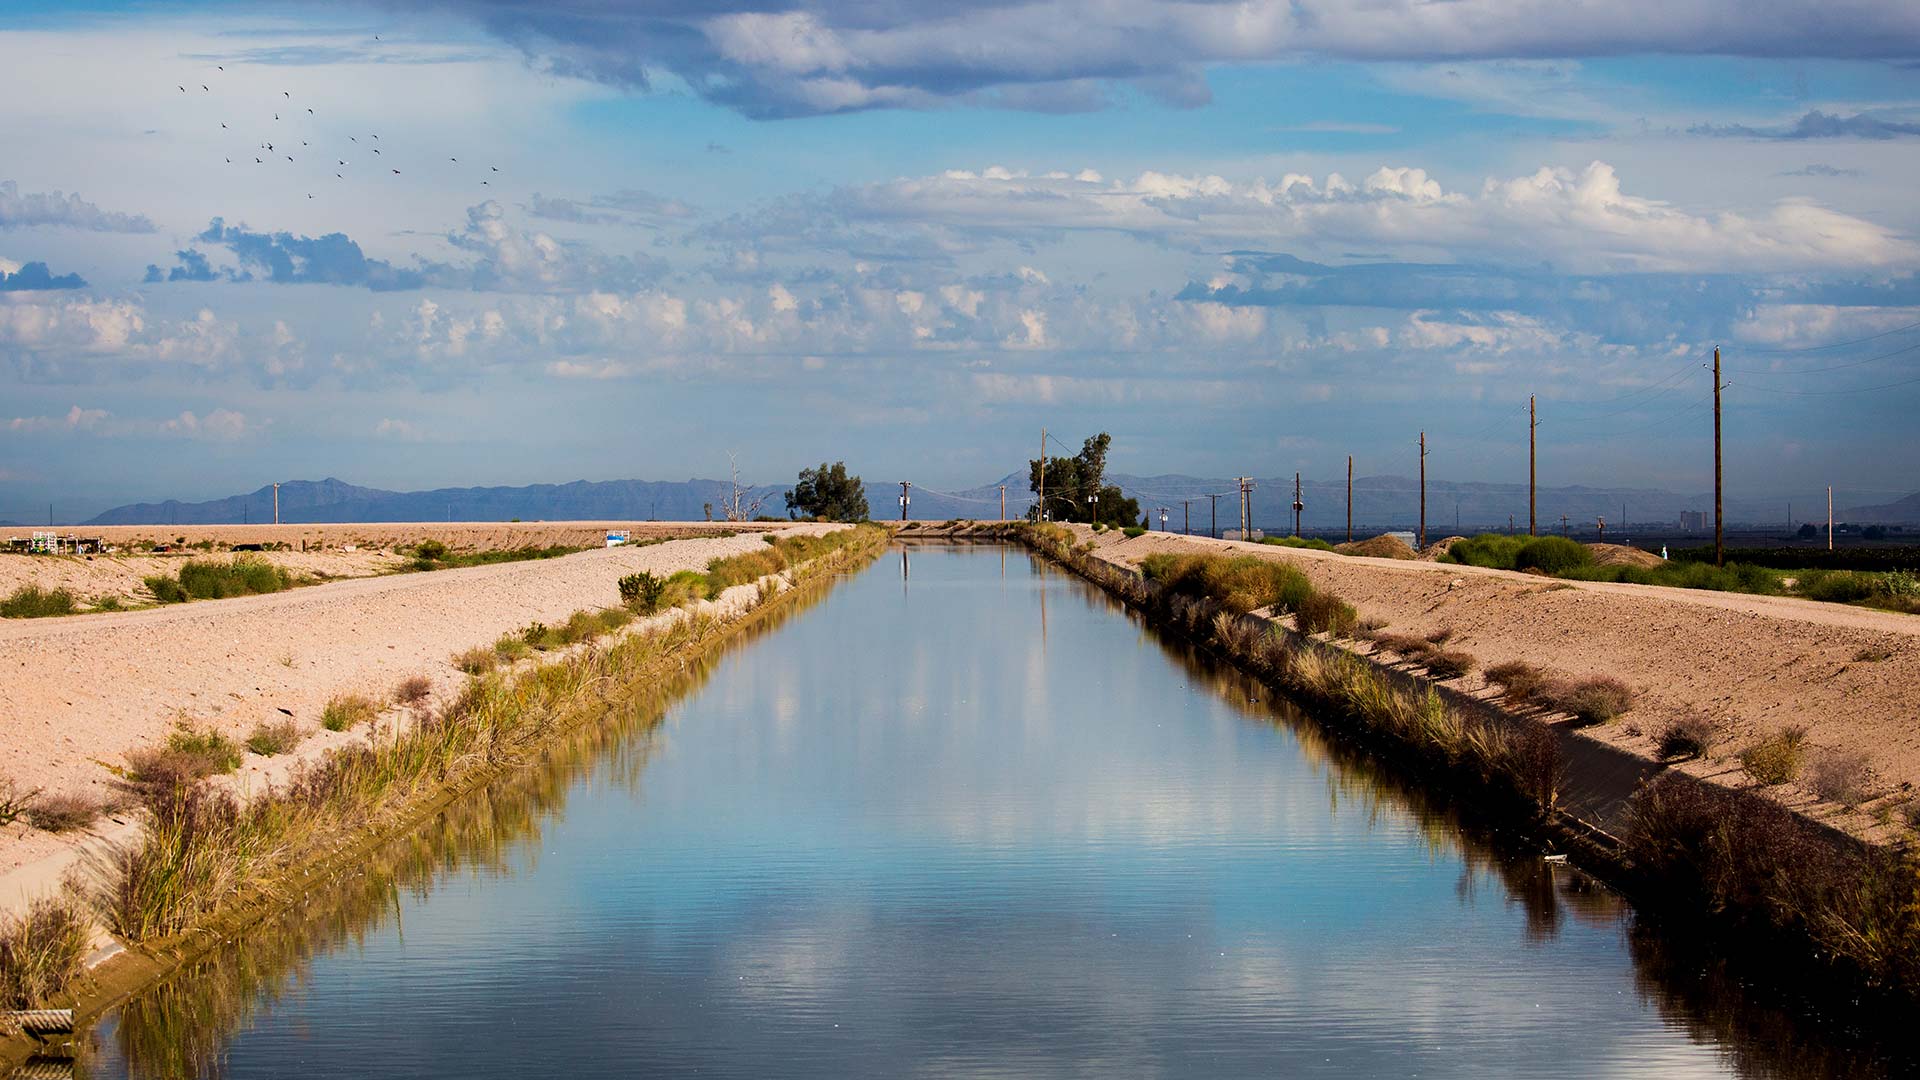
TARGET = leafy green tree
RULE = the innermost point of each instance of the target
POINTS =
(829, 493)
(1077, 489)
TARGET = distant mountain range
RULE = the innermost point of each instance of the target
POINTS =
(1378, 502)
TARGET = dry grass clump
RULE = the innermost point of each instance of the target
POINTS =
(41, 953)
(188, 755)
(1777, 758)
(64, 813)
(476, 661)
(1378, 547)
(344, 711)
(14, 800)
(1408, 645)
(1447, 663)
(1689, 737)
(1324, 613)
(1519, 681)
(413, 691)
(1592, 699)
(1873, 654)
(270, 739)
(1842, 776)
(1240, 584)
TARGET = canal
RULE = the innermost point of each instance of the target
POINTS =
(960, 815)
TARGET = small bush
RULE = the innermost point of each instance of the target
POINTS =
(1841, 776)
(1835, 586)
(270, 739)
(1594, 699)
(1519, 681)
(1552, 555)
(63, 813)
(1439, 636)
(1409, 645)
(1134, 530)
(1310, 544)
(41, 953)
(1323, 612)
(205, 580)
(14, 800)
(476, 661)
(347, 710)
(33, 602)
(1776, 759)
(1688, 737)
(1448, 663)
(1873, 654)
(413, 691)
(107, 603)
(511, 647)
(188, 755)
(534, 634)
(642, 592)
(166, 590)
(1488, 549)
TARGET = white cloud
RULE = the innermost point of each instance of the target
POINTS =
(77, 419)
(220, 425)
(1576, 220)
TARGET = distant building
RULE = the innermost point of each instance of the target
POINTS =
(1693, 521)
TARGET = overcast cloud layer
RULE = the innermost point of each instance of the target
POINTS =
(511, 243)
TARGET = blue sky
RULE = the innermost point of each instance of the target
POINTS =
(1240, 237)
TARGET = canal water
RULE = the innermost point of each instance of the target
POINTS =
(959, 816)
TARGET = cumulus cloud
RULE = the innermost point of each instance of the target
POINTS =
(1580, 219)
(35, 277)
(76, 419)
(821, 56)
(220, 425)
(29, 323)
(19, 211)
(190, 265)
(286, 259)
(620, 208)
(532, 261)
(1819, 125)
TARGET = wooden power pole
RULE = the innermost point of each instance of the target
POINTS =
(1533, 423)
(1829, 517)
(1003, 502)
(1423, 491)
(1297, 504)
(276, 504)
(905, 499)
(1213, 503)
(1719, 534)
(1349, 498)
(1040, 511)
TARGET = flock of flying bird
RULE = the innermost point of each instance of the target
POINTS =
(281, 144)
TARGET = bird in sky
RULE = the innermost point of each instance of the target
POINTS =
(376, 149)
(257, 161)
(495, 168)
(337, 176)
(453, 159)
(203, 86)
(183, 89)
(218, 67)
(284, 94)
(309, 112)
(223, 123)
(352, 139)
(376, 136)
(289, 157)
(276, 116)
(396, 172)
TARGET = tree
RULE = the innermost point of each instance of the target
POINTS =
(829, 493)
(1808, 532)
(738, 507)
(1077, 488)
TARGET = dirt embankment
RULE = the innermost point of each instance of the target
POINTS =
(1753, 665)
(77, 692)
(460, 535)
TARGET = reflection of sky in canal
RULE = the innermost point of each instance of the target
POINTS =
(909, 834)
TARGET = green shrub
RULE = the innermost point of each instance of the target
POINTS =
(187, 756)
(41, 953)
(166, 590)
(1488, 549)
(510, 647)
(1240, 584)
(1835, 586)
(346, 710)
(1311, 544)
(1323, 612)
(33, 602)
(1777, 758)
(1134, 530)
(1552, 555)
(270, 739)
(642, 592)
(206, 580)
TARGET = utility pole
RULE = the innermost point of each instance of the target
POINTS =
(1719, 533)
(276, 503)
(1349, 498)
(1603, 528)
(906, 499)
(1003, 502)
(1246, 506)
(1533, 424)
(1186, 516)
(1040, 509)
(1423, 491)
(1163, 518)
(1297, 504)
(1829, 517)
(1213, 502)
(1563, 524)
(1509, 524)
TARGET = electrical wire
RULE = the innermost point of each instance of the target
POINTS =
(1835, 344)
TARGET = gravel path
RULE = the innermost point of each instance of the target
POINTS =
(77, 692)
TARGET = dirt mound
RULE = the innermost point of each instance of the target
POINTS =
(1380, 547)
(1622, 555)
(1433, 551)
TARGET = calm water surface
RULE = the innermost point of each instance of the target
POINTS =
(961, 817)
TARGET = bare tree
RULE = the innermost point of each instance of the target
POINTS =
(737, 506)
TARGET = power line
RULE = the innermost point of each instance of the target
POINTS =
(1832, 367)
(1836, 344)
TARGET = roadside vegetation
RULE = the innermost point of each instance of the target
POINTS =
(33, 602)
(828, 493)
(1556, 556)
(434, 555)
(208, 580)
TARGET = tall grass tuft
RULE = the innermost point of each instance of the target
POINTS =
(1842, 776)
(344, 711)
(64, 812)
(1688, 737)
(206, 580)
(1592, 699)
(1777, 758)
(41, 953)
(270, 739)
(33, 602)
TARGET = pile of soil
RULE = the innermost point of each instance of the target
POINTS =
(1622, 555)
(1380, 547)
(1433, 551)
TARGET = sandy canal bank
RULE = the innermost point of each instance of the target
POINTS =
(1751, 664)
(77, 692)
